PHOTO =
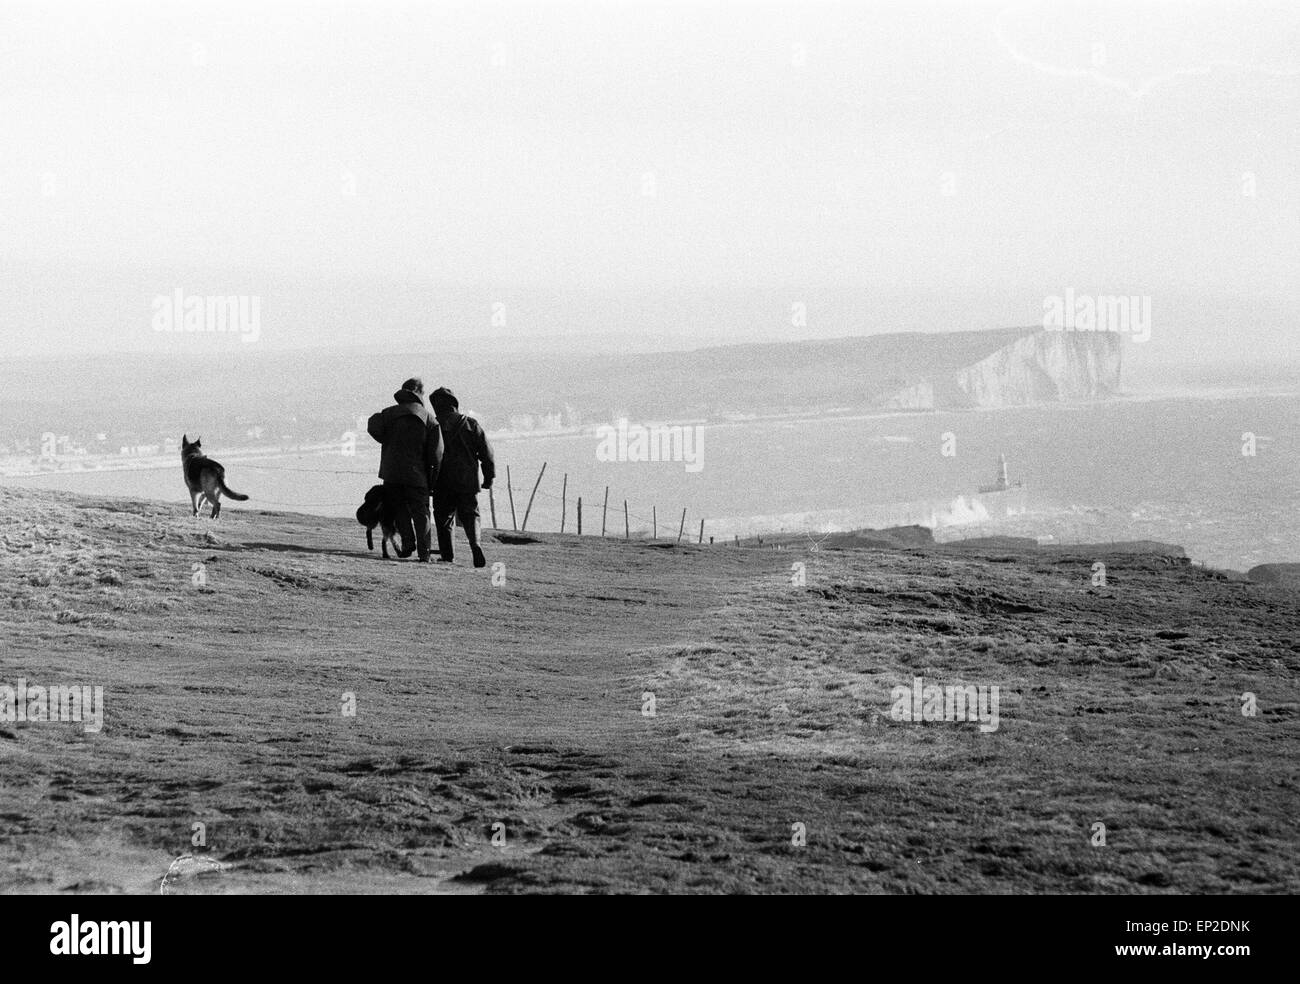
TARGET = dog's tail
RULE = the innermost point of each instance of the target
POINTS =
(229, 493)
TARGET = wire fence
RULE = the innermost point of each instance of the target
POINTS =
(567, 502)
(564, 500)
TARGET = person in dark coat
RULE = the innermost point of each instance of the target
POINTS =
(455, 496)
(409, 462)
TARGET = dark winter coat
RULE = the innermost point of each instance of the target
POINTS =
(465, 449)
(412, 442)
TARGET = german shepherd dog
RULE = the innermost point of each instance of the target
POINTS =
(379, 510)
(204, 477)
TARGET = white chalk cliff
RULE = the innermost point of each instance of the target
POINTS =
(1038, 367)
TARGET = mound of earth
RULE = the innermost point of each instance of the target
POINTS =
(1279, 575)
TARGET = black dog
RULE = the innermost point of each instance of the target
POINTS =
(379, 510)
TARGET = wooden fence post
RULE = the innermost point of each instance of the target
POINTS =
(511, 492)
(579, 515)
(564, 501)
(627, 529)
(529, 507)
(654, 523)
(701, 540)
(603, 511)
(681, 529)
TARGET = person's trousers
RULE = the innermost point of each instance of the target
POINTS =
(411, 503)
(462, 507)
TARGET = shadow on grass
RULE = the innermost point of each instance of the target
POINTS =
(300, 548)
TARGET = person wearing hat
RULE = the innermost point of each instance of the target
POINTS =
(409, 463)
(455, 494)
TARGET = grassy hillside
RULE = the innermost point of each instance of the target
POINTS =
(522, 703)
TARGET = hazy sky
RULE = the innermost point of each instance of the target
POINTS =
(970, 151)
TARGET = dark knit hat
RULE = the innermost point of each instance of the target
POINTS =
(443, 397)
(414, 385)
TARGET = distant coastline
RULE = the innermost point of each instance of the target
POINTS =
(26, 466)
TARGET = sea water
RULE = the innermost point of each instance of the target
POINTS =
(1219, 476)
